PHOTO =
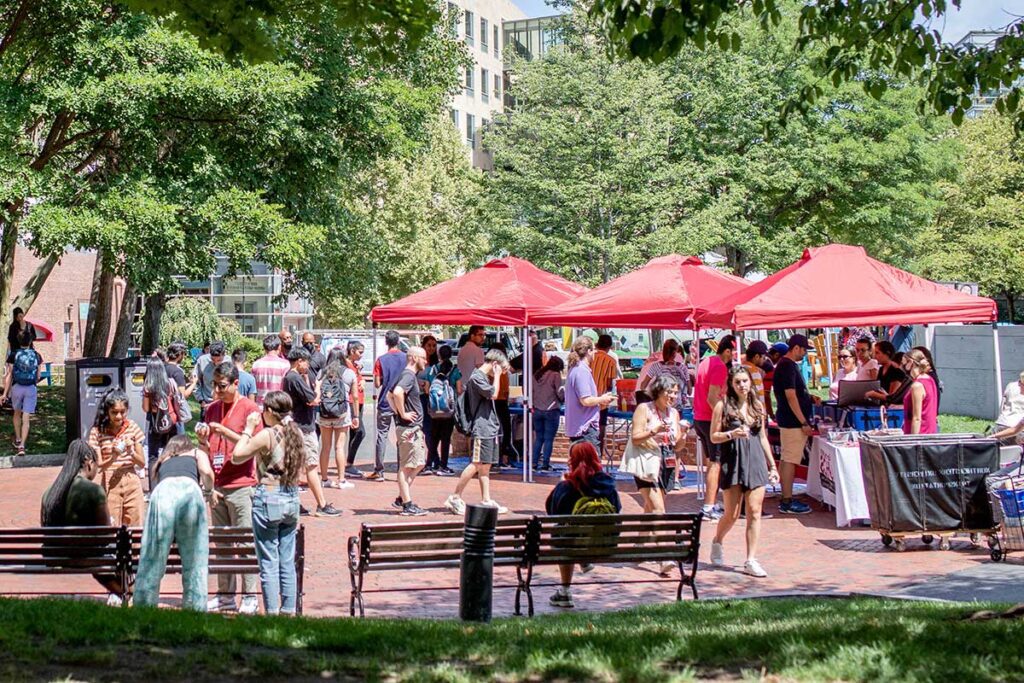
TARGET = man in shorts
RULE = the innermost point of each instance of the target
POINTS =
(20, 385)
(708, 390)
(305, 396)
(793, 414)
(481, 390)
(412, 444)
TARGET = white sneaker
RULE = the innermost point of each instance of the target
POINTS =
(494, 504)
(455, 505)
(562, 597)
(345, 484)
(717, 554)
(113, 600)
(219, 604)
(250, 605)
(665, 568)
(754, 568)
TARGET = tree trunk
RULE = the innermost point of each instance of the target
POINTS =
(154, 311)
(1011, 306)
(657, 339)
(8, 243)
(125, 319)
(97, 327)
(35, 283)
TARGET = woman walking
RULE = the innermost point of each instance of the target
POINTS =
(921, 400)
(657, 437)
(738, 423)
(117, 441)
(547, 397)
(158, 402)
(338, 413)
(279, 457)
(177, 513)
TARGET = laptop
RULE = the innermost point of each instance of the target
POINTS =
(854, 392)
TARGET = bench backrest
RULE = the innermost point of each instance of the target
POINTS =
(421, 545)
(63, 550)
(238, 558)
(588, 539)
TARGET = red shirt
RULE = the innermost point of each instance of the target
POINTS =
(226, 474)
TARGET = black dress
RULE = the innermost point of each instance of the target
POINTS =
(743, 460)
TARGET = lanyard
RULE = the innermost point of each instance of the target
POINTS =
(665, 436)
(223, 420)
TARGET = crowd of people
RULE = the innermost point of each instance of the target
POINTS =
(260, 433)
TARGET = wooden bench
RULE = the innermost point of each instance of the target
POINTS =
(422, 545)
(63, 551)
(232, 551)
(612, 540)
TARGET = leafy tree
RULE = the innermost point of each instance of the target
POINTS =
(846, 40)
(192, 321)
(978, 233)
(602, 165)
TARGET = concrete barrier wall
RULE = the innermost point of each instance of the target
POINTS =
(965, 358)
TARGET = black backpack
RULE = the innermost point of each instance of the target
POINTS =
(333, 398)
(463, 420)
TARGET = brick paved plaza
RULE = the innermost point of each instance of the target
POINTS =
(801, 554)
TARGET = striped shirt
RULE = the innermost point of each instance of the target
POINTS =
(604, 369)
(269, 372)
(124, 443)
(756, 379)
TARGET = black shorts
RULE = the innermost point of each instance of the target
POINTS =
(711, 450)
(485, 450)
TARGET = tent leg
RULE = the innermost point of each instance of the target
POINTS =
(827, 365)
(929, 338)
(700, 449)
(527, 453)
(999, 368)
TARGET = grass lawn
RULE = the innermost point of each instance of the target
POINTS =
(831, 639)
(46, 431)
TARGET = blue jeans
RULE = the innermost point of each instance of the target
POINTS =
(275, 520)
(545, 427)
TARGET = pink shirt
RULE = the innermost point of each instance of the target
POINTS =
(929, 406)
(710, 373)
(269, 372)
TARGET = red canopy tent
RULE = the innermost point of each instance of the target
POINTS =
(838, 285)
(662, 294)
(505, 291)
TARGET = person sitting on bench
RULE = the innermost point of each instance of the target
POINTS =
(586, 490)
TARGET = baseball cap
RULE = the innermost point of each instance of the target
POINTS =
(757, 347)
(780, 347)
(798, 340)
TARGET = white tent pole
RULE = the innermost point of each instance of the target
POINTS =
(527, 453)
(999, 367)
(827, 365)
(700, 448)
(929, 337)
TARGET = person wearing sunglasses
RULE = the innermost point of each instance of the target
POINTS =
(847, 370)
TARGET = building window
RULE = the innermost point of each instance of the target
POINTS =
(469, 27)
(483, 35)
(454, 113)
(497, 41)
(469, 81)
(484, 80)
(497, 87)
(453, 19)
(471, 131)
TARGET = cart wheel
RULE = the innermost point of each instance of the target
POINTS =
(997, 555)
(944, 543)
(993, 541)
(927, 539)
(899, 544)
(975, 539)
(886, 540)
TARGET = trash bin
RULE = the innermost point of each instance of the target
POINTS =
(928, 483)
(86, 380)
(133, 376)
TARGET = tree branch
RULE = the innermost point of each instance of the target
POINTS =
(19, 18)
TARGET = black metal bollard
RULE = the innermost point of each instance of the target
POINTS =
(476, 578)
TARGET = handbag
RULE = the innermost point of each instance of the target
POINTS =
(643, 463)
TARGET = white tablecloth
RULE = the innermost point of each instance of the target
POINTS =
(834, 477)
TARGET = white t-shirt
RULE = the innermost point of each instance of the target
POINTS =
(863, 371)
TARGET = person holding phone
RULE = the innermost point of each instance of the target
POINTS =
(118, 441)
(739, 426)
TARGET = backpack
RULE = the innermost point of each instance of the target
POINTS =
(162, 417)
(588, 505)
(441, 397)
(604, 537)
(26, 367)
(463, 420)
(333, 398)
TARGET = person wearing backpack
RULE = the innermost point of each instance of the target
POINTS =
(586, 490)
(336, 415)
(160, 401)
(20, 386)
(443, 379)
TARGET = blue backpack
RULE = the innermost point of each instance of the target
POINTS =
(441, 397)
(26, 367)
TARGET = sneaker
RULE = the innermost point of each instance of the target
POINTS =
(113, 600)
(21, 449)
(446, 472)
(344, 484)
(494, 504)
(351, 471)
(455, 505)
(710, 514)
(221, 604)
(719, 508)
(411, 509)
(304, 511)
(375, 476)
(328, 484)
(586, 568)
(717, 554)
(250, 605)
(328, 511)
(427, 471)
(793, 507)
(754, 568)
(397, 503)
(562, 597)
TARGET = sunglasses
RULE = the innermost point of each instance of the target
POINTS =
(845, 355)
(221, 385)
